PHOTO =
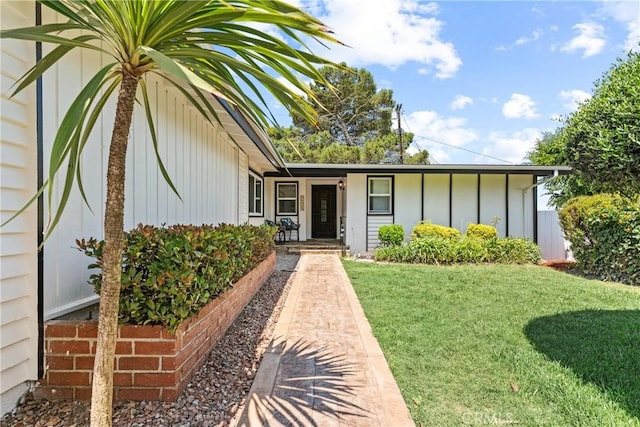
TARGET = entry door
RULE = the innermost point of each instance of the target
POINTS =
(323, 221)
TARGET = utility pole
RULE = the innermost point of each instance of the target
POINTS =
(398, 113)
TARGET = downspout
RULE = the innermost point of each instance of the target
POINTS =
(40, 178)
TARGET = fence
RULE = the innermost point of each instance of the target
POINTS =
(551, 238)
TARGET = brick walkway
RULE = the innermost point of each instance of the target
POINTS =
(324, 367)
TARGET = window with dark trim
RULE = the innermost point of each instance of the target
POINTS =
(287, 198)
(255, 195)
(380, 195)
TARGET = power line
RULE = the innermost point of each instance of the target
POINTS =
(466, 149)
(459, 148)
(431, 157)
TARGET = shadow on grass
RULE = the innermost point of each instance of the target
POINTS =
(313, 384)
(602, 347)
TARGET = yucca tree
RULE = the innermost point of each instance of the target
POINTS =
(203, 48)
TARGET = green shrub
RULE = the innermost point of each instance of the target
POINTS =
(427, 250)
(604, 231)
(482, 231)
(442, 250)
(391, 235)
(513, 250)
(471, 250)
(170, 273)
(426, 229)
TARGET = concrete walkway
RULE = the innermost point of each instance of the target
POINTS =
(323, 366)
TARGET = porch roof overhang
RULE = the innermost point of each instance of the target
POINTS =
(338, 170)
(250, 138)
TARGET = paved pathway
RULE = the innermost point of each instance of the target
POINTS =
(324, 367)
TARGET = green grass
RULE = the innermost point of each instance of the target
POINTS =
(460, 339)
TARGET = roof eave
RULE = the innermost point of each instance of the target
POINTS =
(335, 170)
(255, 134)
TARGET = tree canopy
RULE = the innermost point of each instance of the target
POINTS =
(354, 123)
(350, 107)
(600, 140)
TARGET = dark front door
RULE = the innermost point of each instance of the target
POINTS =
(323, 221)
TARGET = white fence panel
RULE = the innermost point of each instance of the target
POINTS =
(551, 238)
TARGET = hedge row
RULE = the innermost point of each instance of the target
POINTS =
(170, 273)
(604, 231)
(442, 250)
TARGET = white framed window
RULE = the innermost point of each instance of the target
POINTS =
(380, 195)
(287, 198)
(255, 195)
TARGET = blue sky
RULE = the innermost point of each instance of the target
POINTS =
(486, 76)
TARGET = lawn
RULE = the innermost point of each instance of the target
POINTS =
(502, 344)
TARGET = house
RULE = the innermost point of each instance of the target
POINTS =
(227, 172)
(321, 197)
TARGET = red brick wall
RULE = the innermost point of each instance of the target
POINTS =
(151, 363)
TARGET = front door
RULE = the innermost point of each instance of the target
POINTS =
(323, 211)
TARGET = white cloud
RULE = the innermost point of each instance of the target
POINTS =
(391, 33)
(537, 11)
(628, 14)
(590, 39)
(509, 146)
(573, 98)
(450, 130)
(460, 102)
(520, 107)
(535, 35)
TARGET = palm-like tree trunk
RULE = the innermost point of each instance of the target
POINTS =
(102, 390)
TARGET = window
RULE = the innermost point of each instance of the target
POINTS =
(287, 194)
(380, 195)
(255, 195)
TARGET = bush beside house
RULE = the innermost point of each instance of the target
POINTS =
(424, 229)
(391, 235)
(604, 231)
(170, 273)
(436, 244)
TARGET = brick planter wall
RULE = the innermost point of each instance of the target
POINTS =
(151, 363)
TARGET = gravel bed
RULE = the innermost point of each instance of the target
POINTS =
(216, 393)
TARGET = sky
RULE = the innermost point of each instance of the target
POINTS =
(479, 81)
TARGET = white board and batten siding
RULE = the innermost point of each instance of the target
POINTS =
(18, 248)
(407, 209)
(464, 200)
(356, 209)
(493, 202)
(436, 198)
(206, 166)
(243, 187)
